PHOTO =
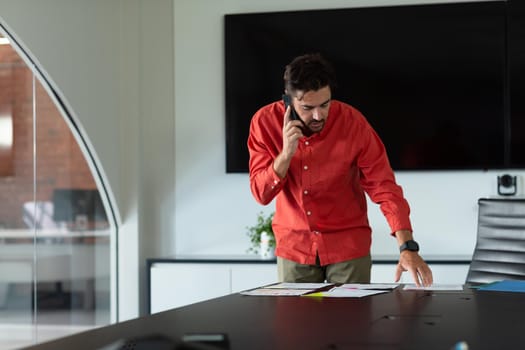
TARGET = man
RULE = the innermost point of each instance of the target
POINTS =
(318, 165)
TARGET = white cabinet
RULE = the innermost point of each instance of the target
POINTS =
(442, 273)
(178, 284)
(449, 274)
(247, 276)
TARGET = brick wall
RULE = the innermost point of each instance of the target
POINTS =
(59, 161)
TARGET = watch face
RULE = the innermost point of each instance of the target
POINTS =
(410, 245)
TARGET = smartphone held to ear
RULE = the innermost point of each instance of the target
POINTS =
(287, 99)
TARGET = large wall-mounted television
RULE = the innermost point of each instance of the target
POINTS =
(432, 80)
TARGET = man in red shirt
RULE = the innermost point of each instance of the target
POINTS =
(318, 165)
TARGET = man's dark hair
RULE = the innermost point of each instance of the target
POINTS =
(309, 72)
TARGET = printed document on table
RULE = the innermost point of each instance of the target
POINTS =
(342, 292)
(374, 286)
(279, 289)
(275, 292)
(287, 285)
(435, 287)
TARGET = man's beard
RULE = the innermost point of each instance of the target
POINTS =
(319, 125)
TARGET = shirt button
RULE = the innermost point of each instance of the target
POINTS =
(316, 232)
(305, 191)
(305, 167)
(275, 181)
(308, 213)
(306, 143)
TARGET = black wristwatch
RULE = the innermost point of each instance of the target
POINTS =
(409, 245)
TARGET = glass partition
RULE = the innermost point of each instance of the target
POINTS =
(55, 235)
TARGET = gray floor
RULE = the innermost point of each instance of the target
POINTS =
(17, 328)
(59, 312)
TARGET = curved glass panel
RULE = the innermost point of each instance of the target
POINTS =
(55, 235)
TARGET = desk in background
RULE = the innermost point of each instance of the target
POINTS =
(394, 320)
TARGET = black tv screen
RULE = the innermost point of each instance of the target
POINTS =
(431, 79)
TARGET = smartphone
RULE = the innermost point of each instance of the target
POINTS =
(293, 114)
(288, 102)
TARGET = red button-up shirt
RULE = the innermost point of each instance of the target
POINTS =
(320, 205)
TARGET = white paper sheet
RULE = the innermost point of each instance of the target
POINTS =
(373, 286)
(286, 285)
(342, 292)
(435, 287)
(275, 292)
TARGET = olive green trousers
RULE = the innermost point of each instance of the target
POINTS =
(351, 271)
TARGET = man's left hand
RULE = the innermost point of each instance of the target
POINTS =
(413, 263)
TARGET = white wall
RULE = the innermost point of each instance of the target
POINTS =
(213, 209)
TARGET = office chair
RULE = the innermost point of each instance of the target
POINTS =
(500, 247)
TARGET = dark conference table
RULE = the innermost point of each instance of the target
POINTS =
(395, 320)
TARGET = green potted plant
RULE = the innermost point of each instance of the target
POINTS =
(261, 236)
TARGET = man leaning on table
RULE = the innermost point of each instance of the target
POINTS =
(318, 165)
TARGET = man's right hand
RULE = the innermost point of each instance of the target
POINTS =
(292, 132)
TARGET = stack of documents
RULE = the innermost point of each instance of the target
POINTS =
(348, 290)
(351, 290)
